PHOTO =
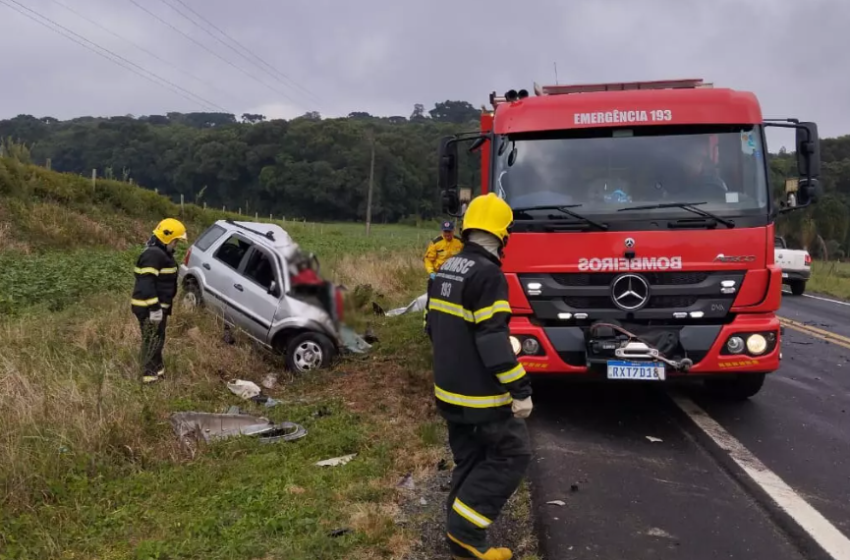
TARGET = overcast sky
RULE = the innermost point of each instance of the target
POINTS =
(338, 56)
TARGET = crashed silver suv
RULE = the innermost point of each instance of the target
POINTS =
(258, 279)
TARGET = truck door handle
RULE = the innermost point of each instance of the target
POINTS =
(238, 287)
(207, 266)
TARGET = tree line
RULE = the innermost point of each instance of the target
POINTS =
(318, 169)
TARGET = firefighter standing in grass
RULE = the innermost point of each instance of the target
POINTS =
(153, 294)
(441, 248)
(482, 391)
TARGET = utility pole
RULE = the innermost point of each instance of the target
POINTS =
(371, 186)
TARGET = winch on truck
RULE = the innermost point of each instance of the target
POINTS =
(642, 243)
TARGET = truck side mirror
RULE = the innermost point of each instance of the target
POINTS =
(808, 192)
(808, 151)
(449, 175)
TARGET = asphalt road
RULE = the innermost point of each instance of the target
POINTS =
(649, 473)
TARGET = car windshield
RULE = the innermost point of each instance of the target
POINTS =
(607, 170)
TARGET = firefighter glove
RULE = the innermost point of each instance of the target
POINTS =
(156, 316)
(522, 407)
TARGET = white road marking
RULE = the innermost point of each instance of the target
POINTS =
(837, 301)
(828, 537)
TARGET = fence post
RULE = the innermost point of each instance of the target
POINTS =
(48, 164)
(205, 205)
(256, 216)
(94, 179)
(240, 211)
(181, 203)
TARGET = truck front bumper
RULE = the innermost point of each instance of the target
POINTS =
(563, 351)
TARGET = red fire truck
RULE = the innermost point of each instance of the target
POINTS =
(642, 242)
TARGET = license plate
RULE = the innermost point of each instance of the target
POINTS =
(645, 371)
(785, 275)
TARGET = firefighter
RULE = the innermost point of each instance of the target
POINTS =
(153, 294)
(441, 248)
(481, 390)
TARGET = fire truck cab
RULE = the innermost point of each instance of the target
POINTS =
(643, 234)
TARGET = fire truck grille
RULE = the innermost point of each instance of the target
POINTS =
(654, 278)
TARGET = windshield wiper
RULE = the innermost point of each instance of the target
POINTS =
(689, 206)
(564, 209)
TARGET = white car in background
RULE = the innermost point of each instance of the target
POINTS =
(796, 265)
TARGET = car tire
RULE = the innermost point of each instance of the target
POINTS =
(738, 388)
(192, 294)
(309, 351)
(798, 287)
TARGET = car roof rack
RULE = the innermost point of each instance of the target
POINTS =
(268, 235)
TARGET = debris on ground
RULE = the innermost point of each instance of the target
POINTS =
(407, 482)
(557, 503)
(417, 305)
(336, 461)
(369, 335)
(269, 381)
(654, 439)
(212, 427)
(244, 389)
(339, 533)
(352, 341)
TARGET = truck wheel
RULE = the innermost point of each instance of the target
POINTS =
(798, 287)
(309, 351)
(192, 296)
(739, 388)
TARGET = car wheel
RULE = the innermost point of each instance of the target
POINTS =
(738, 388)
(798, 287)
(309, 351)
(192, 296)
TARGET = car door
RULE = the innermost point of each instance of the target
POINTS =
(255, 295)
(223, 274)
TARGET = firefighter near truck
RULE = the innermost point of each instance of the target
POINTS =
(642, 246)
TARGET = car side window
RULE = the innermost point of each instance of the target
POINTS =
(210, 236)
(778, 243)
(232, 251)
(260, 269)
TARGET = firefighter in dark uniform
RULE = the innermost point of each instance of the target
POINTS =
(153, 294)
(482, 391)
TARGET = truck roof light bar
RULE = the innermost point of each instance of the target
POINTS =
(691, 83)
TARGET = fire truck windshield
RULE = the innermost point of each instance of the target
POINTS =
(605, 170)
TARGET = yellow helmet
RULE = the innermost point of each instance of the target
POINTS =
(489, 213)
(170, 229)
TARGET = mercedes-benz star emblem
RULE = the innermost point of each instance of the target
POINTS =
(630, 292)
(630, 242)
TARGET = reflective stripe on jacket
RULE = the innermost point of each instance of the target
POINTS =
(476, 373)
(156, 279)
(439, 250)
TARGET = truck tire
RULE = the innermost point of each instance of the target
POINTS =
(737, 388)
(798, 287)
(308, 352)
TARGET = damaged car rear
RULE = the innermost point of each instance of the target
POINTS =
(258, 280)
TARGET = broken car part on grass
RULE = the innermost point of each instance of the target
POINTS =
(213, 427)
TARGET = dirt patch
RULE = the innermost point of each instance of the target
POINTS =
(423, 511)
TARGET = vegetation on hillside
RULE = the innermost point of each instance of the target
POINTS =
(308, 167)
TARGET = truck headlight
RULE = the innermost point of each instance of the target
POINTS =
(756, 344)
(515, 344)
(735, 345)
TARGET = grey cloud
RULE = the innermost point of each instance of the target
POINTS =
(383, 57)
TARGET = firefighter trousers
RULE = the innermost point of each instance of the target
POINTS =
(490, 462)
(153, 342)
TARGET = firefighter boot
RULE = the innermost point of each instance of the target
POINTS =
(469, 552)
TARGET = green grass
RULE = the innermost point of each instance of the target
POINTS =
(830, 278)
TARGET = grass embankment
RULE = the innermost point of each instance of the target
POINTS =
(830, 278)
(89, 466)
